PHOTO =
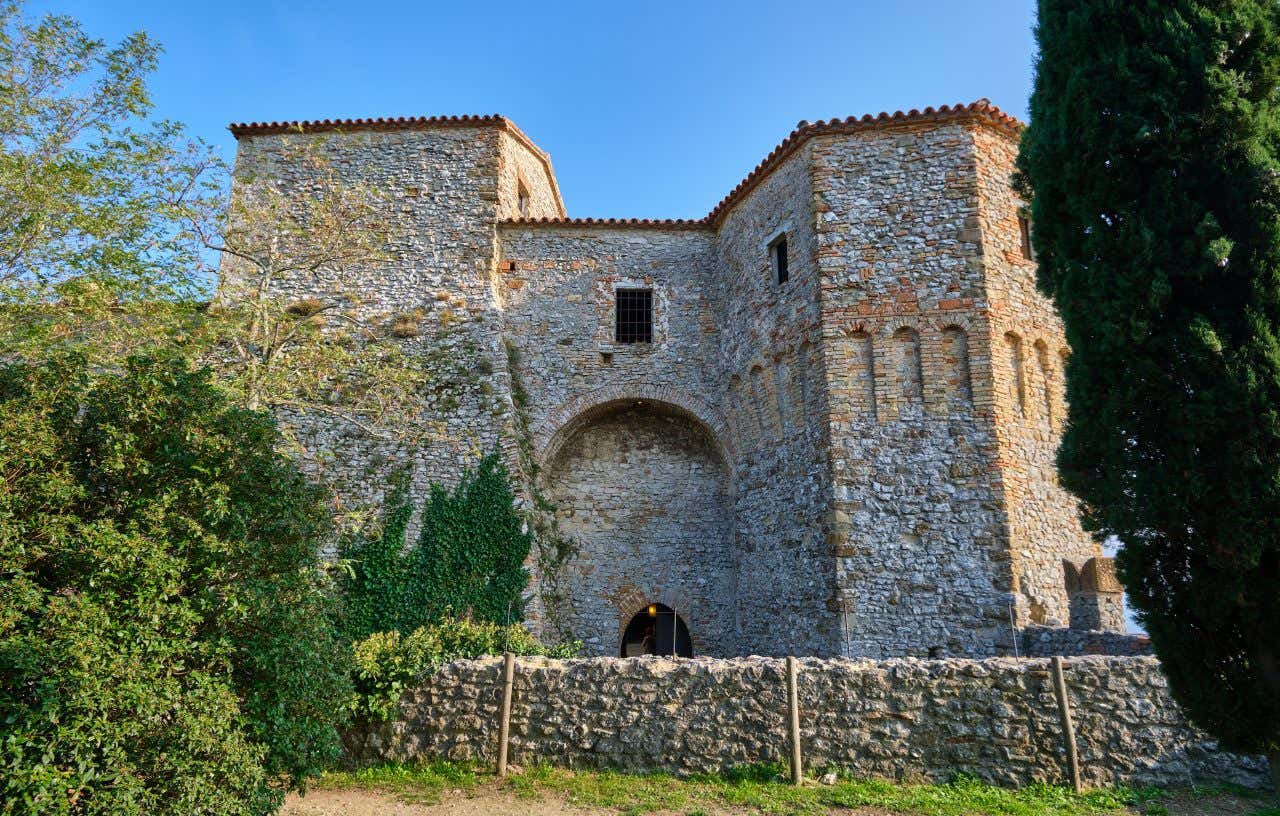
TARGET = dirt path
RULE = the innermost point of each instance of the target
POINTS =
(490, 802)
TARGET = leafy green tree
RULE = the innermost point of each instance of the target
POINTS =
(468, 561)
(165, 635)
(323, 352)
(114, 232)
(88, 189)
(1151, 166)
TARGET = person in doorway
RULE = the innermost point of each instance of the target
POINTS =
(649, 644)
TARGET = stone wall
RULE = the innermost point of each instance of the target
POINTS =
(1029, 352)
(771, 366)
(857, 461)
(643, 497)
(901, 719)
(921, 544)
(1046, 641)
(440, 199)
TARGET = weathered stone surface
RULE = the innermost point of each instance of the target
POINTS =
(897, 719)
(1047, 641)
(858, 461)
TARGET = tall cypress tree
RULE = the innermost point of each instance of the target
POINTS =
(1151, 167)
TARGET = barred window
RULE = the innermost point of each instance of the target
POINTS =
(634, 316)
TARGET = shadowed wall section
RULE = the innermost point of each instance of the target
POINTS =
(641, 493)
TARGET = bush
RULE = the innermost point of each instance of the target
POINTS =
(468, 562)
(165, 644)
(388, 664)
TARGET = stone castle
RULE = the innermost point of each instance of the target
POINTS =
(820, 420)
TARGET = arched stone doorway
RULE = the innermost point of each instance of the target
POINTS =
(642, 494)
(656, 630)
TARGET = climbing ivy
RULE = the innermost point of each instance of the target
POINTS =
(553, 548)
(468, 560)
(470, 556)
(376, 587)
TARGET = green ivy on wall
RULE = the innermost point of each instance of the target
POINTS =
(468, 560)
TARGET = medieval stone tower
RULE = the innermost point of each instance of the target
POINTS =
(821, 420)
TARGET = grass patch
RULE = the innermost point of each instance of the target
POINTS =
(761, 789)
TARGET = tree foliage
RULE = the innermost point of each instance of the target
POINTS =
(1151, 162)
(114, 231)
(165, 644)
(88, 188)
(289, 328)
(468, 561)
(387, 664)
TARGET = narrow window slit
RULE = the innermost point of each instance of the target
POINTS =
(778, 256)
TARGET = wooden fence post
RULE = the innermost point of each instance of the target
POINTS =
(504, 730)
(793, 704)
(1068, 729)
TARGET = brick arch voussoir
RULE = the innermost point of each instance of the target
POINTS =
(551, 433)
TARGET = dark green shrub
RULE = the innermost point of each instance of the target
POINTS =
(165, 645)
(388, 663)
(468, 562)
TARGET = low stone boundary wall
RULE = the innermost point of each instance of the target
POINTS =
(1047, 641)
(996, 719)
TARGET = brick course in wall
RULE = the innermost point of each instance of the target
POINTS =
(858, 461)
(900, 719)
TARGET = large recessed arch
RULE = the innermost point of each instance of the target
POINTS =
(642, 492)
(551, 434)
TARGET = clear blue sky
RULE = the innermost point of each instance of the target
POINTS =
(647, 109)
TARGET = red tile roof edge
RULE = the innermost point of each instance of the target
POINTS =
(239, 129)
(982, 111)
(649, 223)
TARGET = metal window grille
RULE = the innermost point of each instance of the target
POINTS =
(780, 272)
(634, 316)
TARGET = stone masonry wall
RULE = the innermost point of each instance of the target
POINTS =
(441, 199)
(770, 365)
(857, 461)
(643, 497)
(916, 527)
(1046, 641)
(620, 494)
(1029, 351)
(900, 719)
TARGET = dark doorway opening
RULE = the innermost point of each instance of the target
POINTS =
(657, 629)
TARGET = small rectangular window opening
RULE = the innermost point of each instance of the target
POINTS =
(778, 255)
(1024, 234)
(634, 316)
(522, 199)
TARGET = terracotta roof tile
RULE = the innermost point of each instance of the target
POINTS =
(981, 110)
(239, 129)
(652, 223)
